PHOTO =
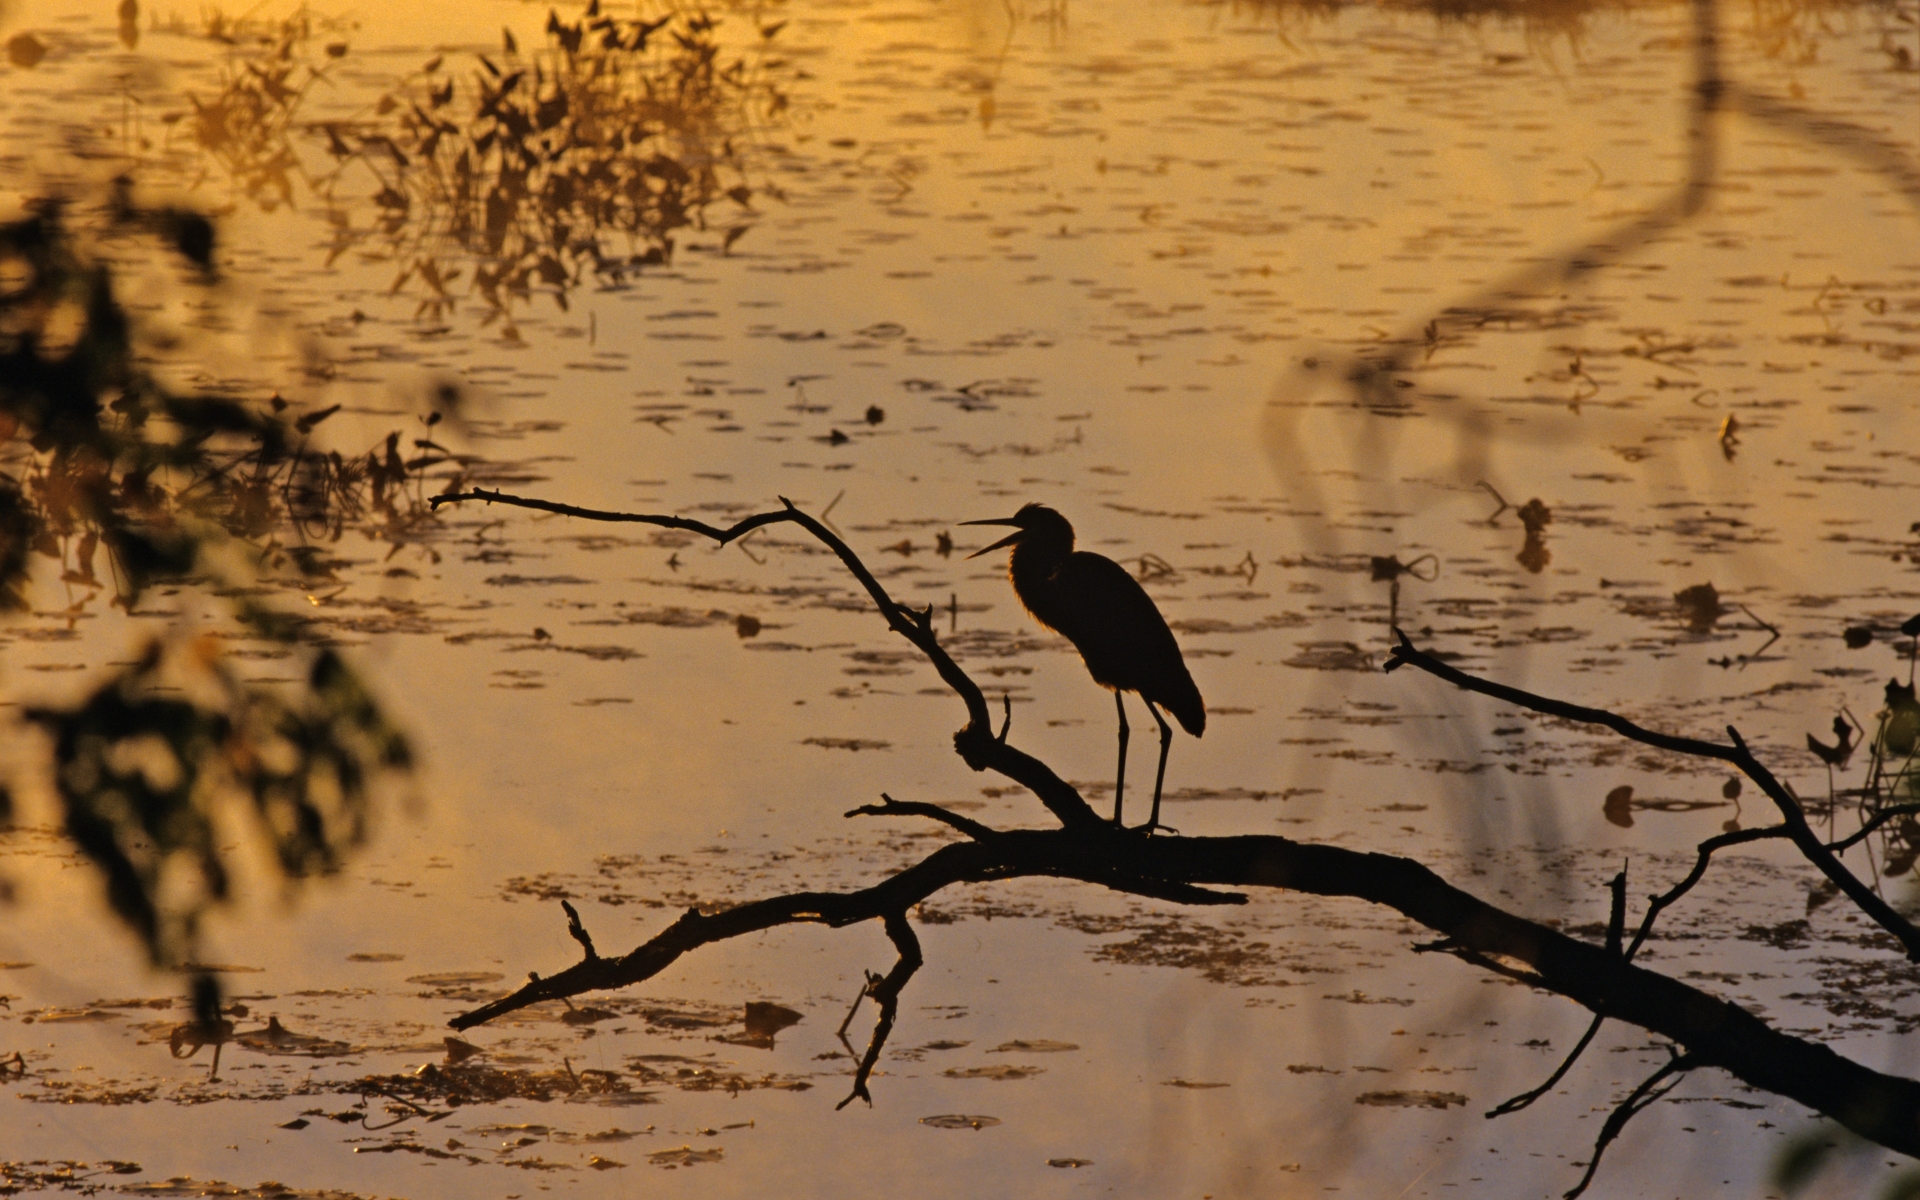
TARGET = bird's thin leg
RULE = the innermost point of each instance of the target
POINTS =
(1120, 776)
(1160, 777)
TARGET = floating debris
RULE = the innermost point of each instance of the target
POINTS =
(1699, 607)
(1036, 1046)
(1000, 1071)
(685, 1156)
(763, 1021)
(835, 743)
(959, 1121)
(1401, 1099)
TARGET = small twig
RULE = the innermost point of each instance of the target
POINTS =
(1765, 646)
(741, 545)
(1617, 915)
(1657, 904)
(858, 996)
(918, 808)
(886, 994)
(418, 1111)
(402, 1119)
(1504, 506)
(1525, 1098)
(577, 931)
(1006, 720)
(1880, 818)
(1641, 1098)
(1770, 628)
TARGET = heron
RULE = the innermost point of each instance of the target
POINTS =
(1094, 603)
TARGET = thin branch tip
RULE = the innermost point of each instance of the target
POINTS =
(578, 931)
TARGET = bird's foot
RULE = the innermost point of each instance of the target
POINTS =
(1147, 830)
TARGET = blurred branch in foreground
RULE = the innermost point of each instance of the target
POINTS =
(113, 482)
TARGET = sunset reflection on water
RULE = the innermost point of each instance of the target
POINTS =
(1259, 296)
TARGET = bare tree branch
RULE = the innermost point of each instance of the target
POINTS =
(1603, 978)
(975, 742)
(1645, 1096)
(1716, 1033)
(1525, 1098)
(578, 932)
(1616, 926)
(889, 807)
(1658, 904)
(1795, 820)
(1880, 818)
(886, 994)
(1617, 912)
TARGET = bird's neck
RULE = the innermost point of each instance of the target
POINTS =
(1031, 567)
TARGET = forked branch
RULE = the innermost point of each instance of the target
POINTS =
(1794, 820)
(885, 992)
(1880, 1107)
(1650, 1091)
(976, 742)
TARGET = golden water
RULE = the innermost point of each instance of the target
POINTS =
(1121, 259)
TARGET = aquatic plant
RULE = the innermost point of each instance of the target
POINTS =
(581, 160)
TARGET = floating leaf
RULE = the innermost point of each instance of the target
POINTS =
(959, 1121)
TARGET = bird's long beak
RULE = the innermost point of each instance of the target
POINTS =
(1005, 541)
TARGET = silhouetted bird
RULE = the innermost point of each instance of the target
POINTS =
(1092, 602)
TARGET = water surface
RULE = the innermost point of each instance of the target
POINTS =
(1127, 260)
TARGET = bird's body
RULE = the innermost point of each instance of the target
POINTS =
(1094, 603)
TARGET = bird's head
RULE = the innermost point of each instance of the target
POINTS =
(1033, 523)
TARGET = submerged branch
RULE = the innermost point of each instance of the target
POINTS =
(886, 995)
(1516, 1103)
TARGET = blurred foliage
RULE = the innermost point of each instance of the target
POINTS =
(577, 160)
(1893, 770)
(157, 770)
(1825, 1148)
(102, 468)
(107, 471)
(246, 126)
